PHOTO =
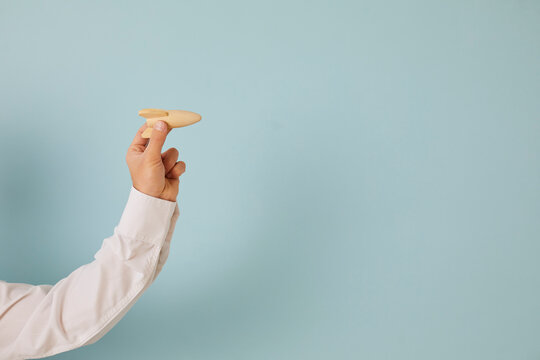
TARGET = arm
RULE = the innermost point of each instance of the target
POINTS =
(43, 320)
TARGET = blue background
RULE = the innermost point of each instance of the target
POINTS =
(364, 182)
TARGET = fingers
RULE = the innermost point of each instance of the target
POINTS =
(139, 143)
(157, 139)
(178, 169)
(169, 158)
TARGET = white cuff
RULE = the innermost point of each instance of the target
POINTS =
(146, 218)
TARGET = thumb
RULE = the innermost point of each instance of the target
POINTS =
(157, 139)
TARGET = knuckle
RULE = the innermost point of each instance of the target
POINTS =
(174, 151)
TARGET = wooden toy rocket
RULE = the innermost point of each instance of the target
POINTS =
(174, 118)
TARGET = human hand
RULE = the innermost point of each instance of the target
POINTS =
(152, 172)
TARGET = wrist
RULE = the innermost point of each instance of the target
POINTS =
(145, 217)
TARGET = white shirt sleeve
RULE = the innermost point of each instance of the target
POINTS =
(43, 320)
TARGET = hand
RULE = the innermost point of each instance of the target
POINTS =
(152, 172)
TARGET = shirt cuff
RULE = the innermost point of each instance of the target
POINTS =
(145, 218)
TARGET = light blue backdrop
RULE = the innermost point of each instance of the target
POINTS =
(364, 183)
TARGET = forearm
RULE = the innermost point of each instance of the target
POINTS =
(39, 321)
(163, 255)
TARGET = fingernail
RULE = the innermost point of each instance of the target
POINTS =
(160, 125)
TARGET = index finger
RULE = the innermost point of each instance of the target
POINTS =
(138, 141)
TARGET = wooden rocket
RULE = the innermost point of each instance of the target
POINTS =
(174, 118)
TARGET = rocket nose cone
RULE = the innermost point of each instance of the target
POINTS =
(179, 118)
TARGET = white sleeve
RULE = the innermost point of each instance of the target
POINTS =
(43, 320)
